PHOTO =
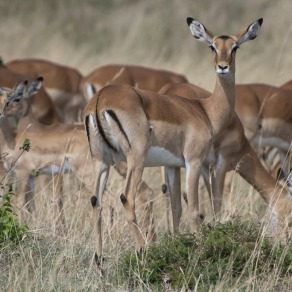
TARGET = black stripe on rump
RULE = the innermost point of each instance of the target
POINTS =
(115, 118)
(87, 131)
(101, 131)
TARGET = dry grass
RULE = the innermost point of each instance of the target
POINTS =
(87, 34)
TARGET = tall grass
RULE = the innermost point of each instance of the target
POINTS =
(88, 34)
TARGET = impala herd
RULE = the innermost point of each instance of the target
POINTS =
(135, 117)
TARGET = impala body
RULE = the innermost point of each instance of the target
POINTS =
(266, 113)
(137, 76)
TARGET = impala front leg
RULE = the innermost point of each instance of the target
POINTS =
(24, 195)
(218, 186)
(60, 224)
(172, 177)
(192, 183)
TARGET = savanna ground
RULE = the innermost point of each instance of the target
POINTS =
(88, 34)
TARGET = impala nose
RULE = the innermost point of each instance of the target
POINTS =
(223, 67)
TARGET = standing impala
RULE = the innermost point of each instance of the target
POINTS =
(150, 129)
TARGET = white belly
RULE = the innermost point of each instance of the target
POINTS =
(158, 156)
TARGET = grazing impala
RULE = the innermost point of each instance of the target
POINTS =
(137, 76)
(233, 152)
(149, 129)
(62, 83)
(54, 149)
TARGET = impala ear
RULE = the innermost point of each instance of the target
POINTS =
(250, 32)
(199, 31)
(35, 86)
(4, 90)
(18, 91)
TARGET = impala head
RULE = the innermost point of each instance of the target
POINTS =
(13, 105)
(224, 46)
(7, 95)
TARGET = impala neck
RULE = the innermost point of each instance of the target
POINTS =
(220, 105)
(26, 119)
(7, 136)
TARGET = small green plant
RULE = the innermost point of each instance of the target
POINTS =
(233, 251)
(10, 228)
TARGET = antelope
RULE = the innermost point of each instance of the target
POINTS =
(137, 76)
(55, 149)
(144, 128)
(42, 105)
(233, 150)
(62, 83)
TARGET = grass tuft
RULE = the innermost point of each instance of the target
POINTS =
(229, 252)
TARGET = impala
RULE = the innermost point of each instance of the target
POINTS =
(62, 83)
(55, 148)
(233, 151)
(148, 129)
(137, 76)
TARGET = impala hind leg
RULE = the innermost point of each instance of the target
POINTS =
(145, 196)
(96, 202)
(133, 180)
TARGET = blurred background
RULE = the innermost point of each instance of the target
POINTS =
(90, 33)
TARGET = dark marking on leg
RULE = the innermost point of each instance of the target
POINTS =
(164, 188)
(123, 199)
(202, 217)
(185, 196)
(93, 201)
(98, 260)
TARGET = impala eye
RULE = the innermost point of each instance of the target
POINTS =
(212, 48)
(234, 49)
